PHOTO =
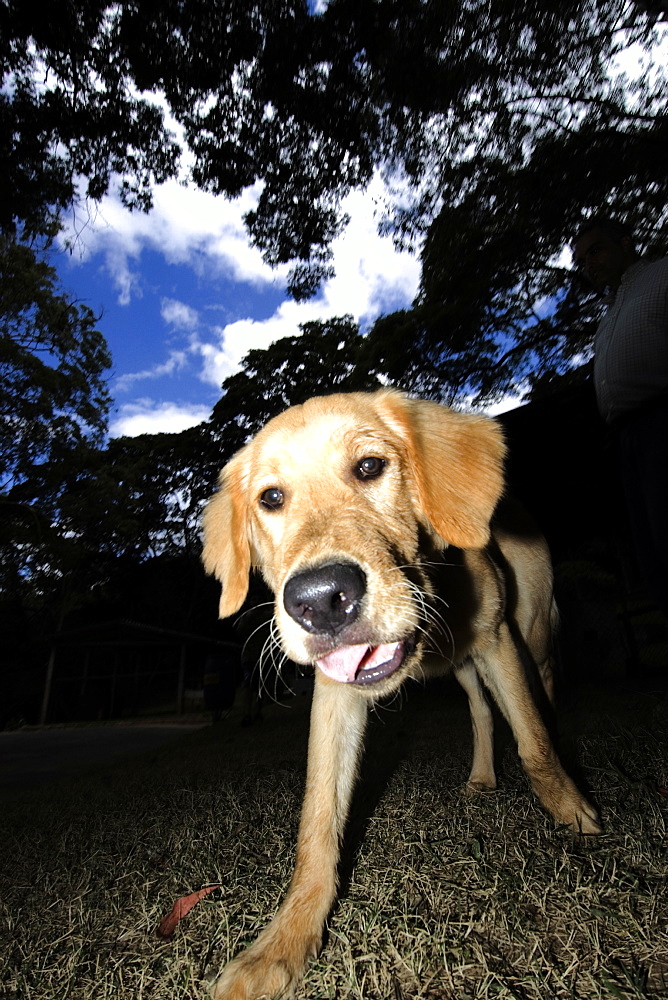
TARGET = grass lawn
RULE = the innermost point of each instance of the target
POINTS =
(443, 895)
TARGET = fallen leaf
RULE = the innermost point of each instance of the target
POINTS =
(181, 907)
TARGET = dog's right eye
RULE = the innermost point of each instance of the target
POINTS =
(369, 468)
(272, 498)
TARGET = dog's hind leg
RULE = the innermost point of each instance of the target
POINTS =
(501, 669)
(482, 777)
(272, 965)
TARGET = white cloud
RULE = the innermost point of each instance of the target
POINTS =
(176, 361)
(223, 357)
(178, 314)
(510, 402)
(634, 63)
(186, 225)
(197, 230)
(371, 278)
(145, 416)
(126, 280)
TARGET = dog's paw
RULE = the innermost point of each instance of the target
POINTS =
(245, 979)
(583, 818)
(262, 972)
(479, 787)
(569, 807)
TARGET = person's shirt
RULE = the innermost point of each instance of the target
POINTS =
(631, 345)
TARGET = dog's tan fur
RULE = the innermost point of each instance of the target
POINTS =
(481, 607)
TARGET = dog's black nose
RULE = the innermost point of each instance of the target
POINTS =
(326, 599)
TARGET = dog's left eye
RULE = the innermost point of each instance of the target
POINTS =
(370, 468)
(272, 498)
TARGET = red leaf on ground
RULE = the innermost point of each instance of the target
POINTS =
(181, 907)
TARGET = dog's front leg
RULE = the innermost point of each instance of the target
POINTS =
(272, 966)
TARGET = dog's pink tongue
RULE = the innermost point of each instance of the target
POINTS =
(344, 664)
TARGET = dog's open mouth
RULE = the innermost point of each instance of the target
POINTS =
(365, 664)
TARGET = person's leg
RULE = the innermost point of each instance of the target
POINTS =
(644, 456)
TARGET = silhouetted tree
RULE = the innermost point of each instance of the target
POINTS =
(324, 358)
(310, 101)
(496, 292)
(53, 362)
(69, 113)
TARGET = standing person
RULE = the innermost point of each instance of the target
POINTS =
(631, 380)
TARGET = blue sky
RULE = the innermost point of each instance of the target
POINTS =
(183, 296)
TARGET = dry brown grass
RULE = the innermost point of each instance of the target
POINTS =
(443, 896)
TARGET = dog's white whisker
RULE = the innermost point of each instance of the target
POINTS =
(268, 662)
(256, 631)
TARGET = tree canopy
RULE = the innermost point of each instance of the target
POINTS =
(311, 99)
(70, 113)
(53, 363)
(497, 126)
(324, 357)
(436, 94)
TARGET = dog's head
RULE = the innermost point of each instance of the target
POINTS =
(329, 501)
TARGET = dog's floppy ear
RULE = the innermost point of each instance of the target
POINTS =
(456, 463)
(226, 553)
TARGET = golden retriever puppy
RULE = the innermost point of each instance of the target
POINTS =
(372, 518)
